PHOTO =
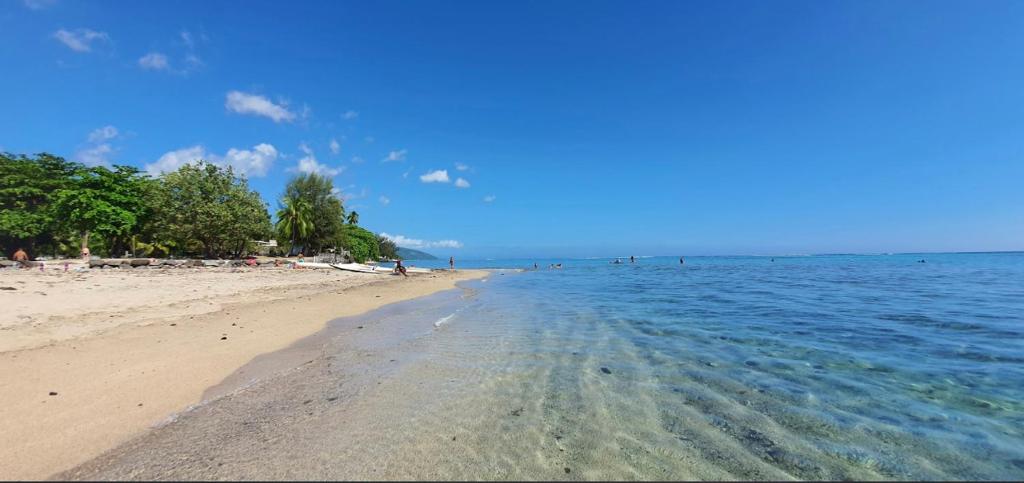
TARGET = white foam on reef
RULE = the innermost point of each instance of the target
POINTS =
(444, 320)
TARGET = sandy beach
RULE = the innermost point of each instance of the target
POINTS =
(91, 359)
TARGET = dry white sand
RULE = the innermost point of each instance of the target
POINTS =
(124, 349)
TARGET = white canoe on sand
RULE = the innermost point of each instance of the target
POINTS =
(362, 268)
(359, 267)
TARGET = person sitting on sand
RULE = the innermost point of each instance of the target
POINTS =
(21, 258)
(399, 268)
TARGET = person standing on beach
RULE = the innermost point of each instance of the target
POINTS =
(21, 258)
(399, 268)
(451, 263)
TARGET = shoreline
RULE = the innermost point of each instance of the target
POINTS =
(118, 382)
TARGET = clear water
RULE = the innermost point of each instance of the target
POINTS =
(821, 367)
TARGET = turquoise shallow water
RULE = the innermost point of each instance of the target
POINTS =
(822, 367)
(818, 366)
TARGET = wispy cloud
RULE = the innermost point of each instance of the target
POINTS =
(436, 176)
(154, 61)
(416, 243)
(39, 4)
(461, 183)
(384, 200)
(335, 147)
(350, 115)
(99, 150)
(98, 155)
(255, 162)
(309, 164)
(256, 105)
(461, 166)
(369, 139)
(188, 39)
(357, 160)
(393, 156)
(490, 198)
(104, 133)
(80, 40)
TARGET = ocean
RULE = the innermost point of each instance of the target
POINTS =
(803, 367)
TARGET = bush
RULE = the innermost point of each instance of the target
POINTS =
(361, 243)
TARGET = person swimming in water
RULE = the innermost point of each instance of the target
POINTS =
(631, 259)
(681, 261)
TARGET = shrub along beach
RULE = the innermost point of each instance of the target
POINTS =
(55, 208)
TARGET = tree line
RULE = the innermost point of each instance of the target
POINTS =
(53, 207)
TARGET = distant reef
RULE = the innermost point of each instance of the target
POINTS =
(410, 254)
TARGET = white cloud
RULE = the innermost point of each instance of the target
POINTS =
(104, 133)
(461, 183)
(384, 200)
(309, 165)
(437, 176)
(243, 103)
(254, 163)
(489, 198)
(98, 152)
(398, 155)
(192, 62)
(97, 155)
(461, 167)
(173, 160)
(416, 243)
(350, 115)
(80, 40)
(39, 4)
(154, 61)
(335, 146)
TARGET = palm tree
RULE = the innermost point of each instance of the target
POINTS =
(294, 220)
(353, 218)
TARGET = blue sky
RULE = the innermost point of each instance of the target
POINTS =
(578, 128)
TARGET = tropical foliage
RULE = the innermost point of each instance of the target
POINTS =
(360, 243)
(318, 197)
(53, 207)
(387, 248)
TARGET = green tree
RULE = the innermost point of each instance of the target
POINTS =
(325, 207)
(108, 203)
(294, 220)
(27, 186)
(203, 208)
(387, 248)
(360, 243)
(353, 218)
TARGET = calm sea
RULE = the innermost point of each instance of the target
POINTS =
(816, 367)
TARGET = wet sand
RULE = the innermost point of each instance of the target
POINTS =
(71, 394)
